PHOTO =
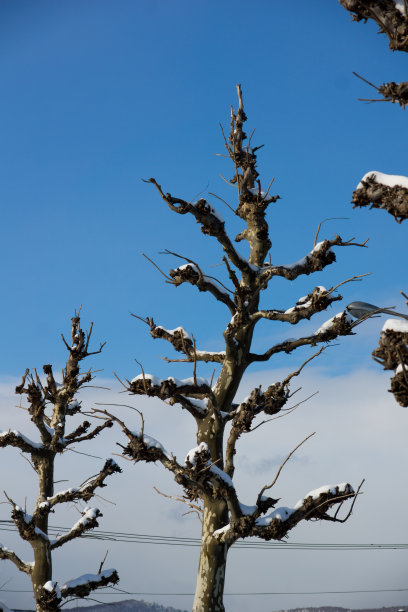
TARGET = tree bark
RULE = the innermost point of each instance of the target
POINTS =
(42, 570)
(213, 558)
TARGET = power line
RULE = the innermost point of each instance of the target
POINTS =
(243, 594)
(144, 538)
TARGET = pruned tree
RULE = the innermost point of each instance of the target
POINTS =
(49, 404)
(206, 475)
(385, 191)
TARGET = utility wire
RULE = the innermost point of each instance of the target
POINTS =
(234, 594)
(144, 538)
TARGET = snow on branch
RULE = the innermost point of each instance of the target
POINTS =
(17, 439)
(319, 257)
(390, 15)
(87, 522)
(177, 391)
(339, 325)
(316, 301)
(383, 191)
(276, 525)
(82, 586)
(85, 492)
(191, 273)
(26, 524)
(181, 341)
(392, 354)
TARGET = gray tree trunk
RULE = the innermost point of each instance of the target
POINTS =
(213, 557)
(42, 570)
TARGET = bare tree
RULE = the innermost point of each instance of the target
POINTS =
(49, 405)
(207, 472)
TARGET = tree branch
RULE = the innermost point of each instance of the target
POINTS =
(211, 223)
(339, 325)
(5, 553)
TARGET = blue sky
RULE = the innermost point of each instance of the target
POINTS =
(97, 95)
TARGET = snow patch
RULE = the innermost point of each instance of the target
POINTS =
(390, 180)
(18, 434)
(397, 325)
(303, 261)
(176, 330)
(328, 324)
(193, 453)
(316, 493)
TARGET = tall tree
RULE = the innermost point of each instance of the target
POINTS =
(49, 404)
(207, 472)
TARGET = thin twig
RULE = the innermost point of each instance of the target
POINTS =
(102, 562)
(365, 80)
(358, 277)
(169, 279)
(320, 225)
(222, 200)
(180, 499)
(266, 487)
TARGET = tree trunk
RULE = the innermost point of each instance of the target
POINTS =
(42, 570)
(213, 558)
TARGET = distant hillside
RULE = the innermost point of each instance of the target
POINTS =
(130, 605)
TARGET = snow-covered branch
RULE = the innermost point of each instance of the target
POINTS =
(85, 492)
(182, 392)
(191, 273)
(383, 191)
(87, 522)
(277, 524)
(51, 594)
(17, 439)
(26, 525)
(305, 307)
(319, 257)
(181, 341)
(339, 325)
(392, 354)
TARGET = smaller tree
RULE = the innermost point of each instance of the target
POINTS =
(49, 405)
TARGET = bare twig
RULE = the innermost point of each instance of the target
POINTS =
(266, 487)
(320, 225)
